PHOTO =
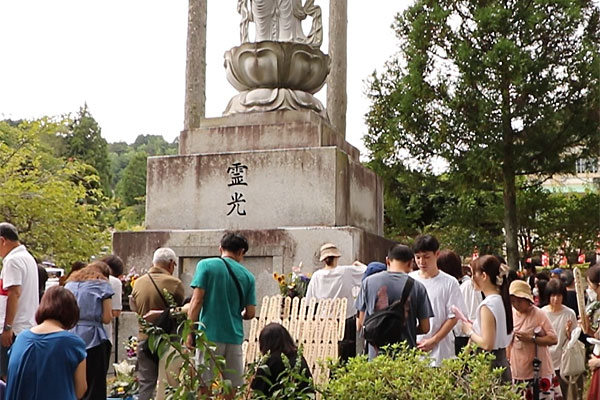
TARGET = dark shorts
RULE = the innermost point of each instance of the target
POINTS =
(4, 358)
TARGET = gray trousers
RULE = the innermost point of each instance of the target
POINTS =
(147, 371)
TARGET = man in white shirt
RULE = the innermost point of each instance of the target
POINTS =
(443, 292)
(19, 284)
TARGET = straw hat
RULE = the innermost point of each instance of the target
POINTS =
(329, 250)
(520, 289)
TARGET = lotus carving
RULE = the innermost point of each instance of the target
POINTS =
(276, 65)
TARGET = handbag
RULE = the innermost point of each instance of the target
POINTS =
(165, 321)
(572, 361)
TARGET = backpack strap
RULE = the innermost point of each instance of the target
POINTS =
(398, 305)
(237, 283)
(407, 288)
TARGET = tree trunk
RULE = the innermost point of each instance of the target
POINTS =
(195, 68)
(337, 101)
(510, 218)
(508, 182)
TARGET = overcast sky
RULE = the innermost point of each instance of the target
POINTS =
(126, 59)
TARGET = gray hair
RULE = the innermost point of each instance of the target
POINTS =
(163, 256)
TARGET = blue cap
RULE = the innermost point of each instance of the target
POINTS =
(557, 271)
(373, 268)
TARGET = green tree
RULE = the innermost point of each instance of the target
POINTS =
(131, 192)
(45, 197)
(496, 89)
(84, 142)
(155, 145)
(132, 185)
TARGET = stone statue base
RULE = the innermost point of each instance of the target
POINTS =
(273, 76)
(264, 100)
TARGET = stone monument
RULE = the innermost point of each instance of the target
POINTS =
(272, 167)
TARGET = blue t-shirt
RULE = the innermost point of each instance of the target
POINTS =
(90, 295)
(221, 307)
(42, 366)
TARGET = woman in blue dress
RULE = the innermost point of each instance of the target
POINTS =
(48, 362)
(93, 293)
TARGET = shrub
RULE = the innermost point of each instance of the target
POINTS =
(406, 374)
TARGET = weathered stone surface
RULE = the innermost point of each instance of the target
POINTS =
(275, 188)
(263, 131)
(271, 250)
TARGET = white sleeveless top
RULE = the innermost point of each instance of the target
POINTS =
(495, 305)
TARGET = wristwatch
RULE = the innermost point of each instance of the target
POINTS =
(7, 327)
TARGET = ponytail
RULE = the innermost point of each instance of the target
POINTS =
(507, 306)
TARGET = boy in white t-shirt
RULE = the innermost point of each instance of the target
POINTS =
(444, 292)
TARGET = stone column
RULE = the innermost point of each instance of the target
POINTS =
(195, 68)
(336, 82)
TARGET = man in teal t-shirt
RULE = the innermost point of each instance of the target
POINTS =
(224, 294)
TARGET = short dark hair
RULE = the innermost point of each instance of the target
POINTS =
(530, 266)
(425, 243)
(449, 262)
(60, 304)
(115, 263)
(556, 287)
(329, 260)
(593, 274)
(567, 277)
(234, 242)
(9, 232)
(77, 265)
(276, 339)
(400, 252)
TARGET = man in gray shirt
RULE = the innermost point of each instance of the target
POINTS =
(383, 288)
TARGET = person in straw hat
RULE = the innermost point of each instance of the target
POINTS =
(333, 281)
(533, 333)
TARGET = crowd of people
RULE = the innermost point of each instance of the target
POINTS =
(530, 323)
(59, 346)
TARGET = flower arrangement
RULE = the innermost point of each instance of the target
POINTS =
(128, 281)
(293, 284)
(125, 383)
(131, 345)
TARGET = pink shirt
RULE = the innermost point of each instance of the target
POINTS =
(522, 353)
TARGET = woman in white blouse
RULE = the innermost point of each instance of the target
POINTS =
(493, 325)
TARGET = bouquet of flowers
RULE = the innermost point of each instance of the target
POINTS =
(125, 384)
(293, 284)
(128, 281)
(131, 345)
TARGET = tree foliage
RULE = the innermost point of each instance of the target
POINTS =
(45, 197)
(83, 141)
(496, 89)
(128, 163)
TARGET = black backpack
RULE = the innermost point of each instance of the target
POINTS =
(388, 326)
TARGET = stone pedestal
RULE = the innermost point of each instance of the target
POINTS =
(287, 180)
(271, 250)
